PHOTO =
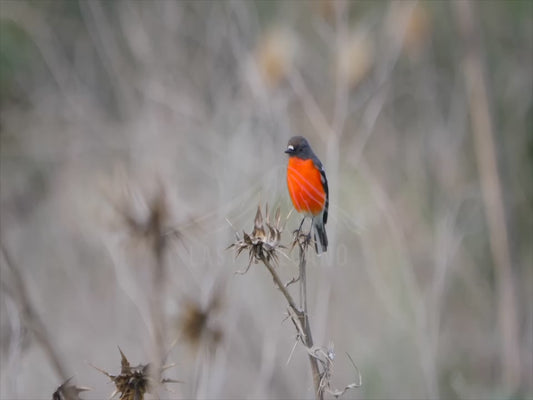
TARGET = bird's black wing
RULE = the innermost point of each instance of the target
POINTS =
(324, 180)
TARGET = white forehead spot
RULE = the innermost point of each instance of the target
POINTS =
(290, 147)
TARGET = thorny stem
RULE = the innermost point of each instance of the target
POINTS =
(155, 226)
(303, 279)
(157, 298)
(301, 268)
(280, 285)
(303, 317)
(158, 322)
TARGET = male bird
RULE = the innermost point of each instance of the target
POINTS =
(308, 188)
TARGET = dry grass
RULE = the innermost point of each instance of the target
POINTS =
(131, 132)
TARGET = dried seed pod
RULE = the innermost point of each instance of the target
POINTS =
(68, 392)
(263, 242)
(133, 382)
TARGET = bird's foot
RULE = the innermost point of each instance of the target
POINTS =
(301, 239)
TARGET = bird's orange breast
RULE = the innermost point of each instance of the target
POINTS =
(305, 186)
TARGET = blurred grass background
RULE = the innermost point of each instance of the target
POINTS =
(428, 283)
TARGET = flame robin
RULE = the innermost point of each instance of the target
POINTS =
(308, 188)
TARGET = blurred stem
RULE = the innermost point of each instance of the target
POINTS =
(340, 111)
(158, 297)
(156, 226)
(302, 315)
(485, 151)
(29, 315)
(303, 280)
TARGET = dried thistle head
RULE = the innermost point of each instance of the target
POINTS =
(152, 225)
(68, 392)
(326, 9)
(196, 322)
(133, 382)
(355, 59)
(274, 56)
(418, 30)
(264, 241)
(146, 218)
(412, 23)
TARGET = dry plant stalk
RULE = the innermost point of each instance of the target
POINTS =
(153, 229)
(491, 188)
(19, 293)
(263, 244)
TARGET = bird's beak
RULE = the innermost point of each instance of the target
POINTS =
(290, 149)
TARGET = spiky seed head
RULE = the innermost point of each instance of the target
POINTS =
(133, 382)
(68, 392)
(274, 56)
(264, 241)
(196, 323)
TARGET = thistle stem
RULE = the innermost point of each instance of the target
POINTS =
(281, 287)
(302, 317)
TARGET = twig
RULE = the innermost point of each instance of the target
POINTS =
(281, 286)
(303, 319)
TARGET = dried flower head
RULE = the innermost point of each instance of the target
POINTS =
(68, 392)
(355, 59)
(274, 56)
(412, 24)
(196, 322)
(144, 213)
(265, 240)
(418, 30)
(152, 226)
(326, 9)
(133, 382)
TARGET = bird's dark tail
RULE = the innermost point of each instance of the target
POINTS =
(320, 236)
